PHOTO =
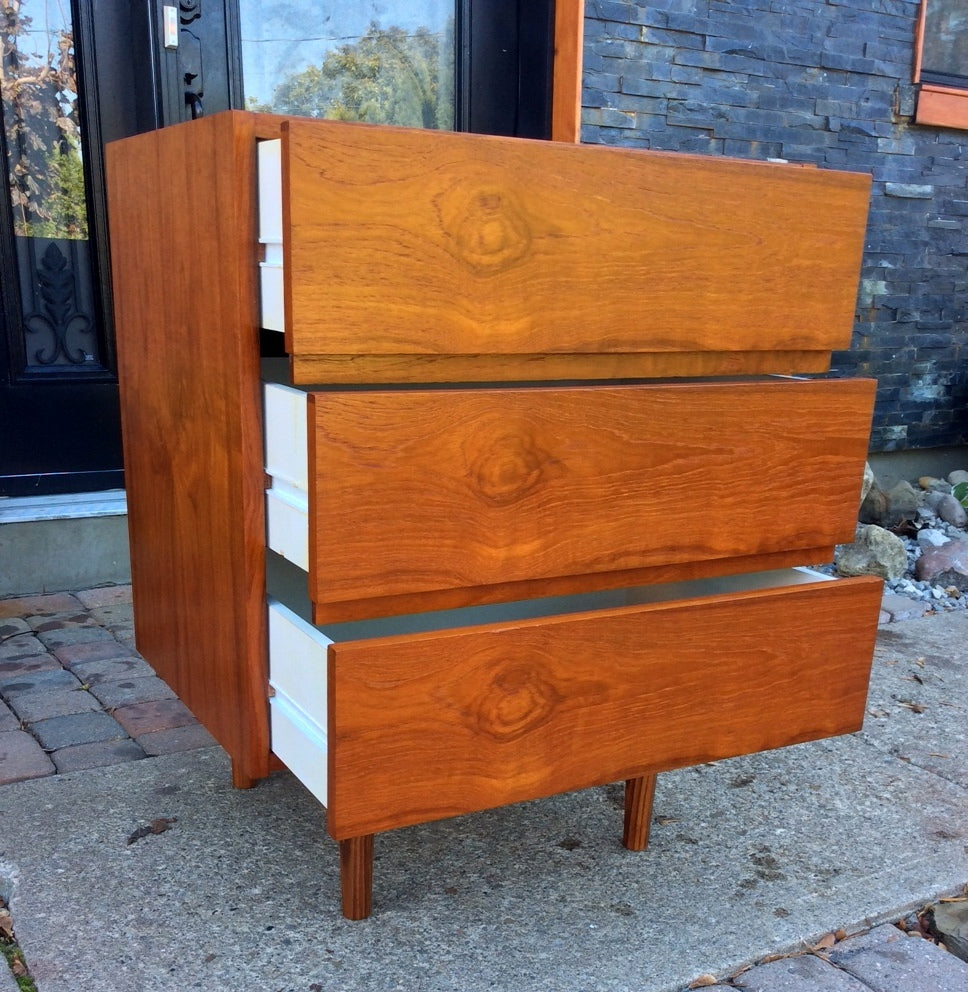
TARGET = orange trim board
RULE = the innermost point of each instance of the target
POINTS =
(942, 106)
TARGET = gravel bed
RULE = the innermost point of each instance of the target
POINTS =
(940, 598)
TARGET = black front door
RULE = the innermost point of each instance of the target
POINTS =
(59, 427)
(77, 75)
(74, 76)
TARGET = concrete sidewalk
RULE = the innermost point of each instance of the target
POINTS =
(749, 858)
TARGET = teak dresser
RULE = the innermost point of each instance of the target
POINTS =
(534, 482)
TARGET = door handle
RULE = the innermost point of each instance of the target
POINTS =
(193, 98)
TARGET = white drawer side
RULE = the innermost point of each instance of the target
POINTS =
(287, 527)
(297, 661)
(286, 434)
(287, 498)
(298, 718)
(270, 234)
(300, 745)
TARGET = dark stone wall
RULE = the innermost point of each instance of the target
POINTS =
(827, 83)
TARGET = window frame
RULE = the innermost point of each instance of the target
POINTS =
(567, 70)
(938, 104)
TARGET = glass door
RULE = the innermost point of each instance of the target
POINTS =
(381, 62)
(468, 65)
(59, 429)
(48, 189)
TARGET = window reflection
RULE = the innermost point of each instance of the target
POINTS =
(381, 62)
(46, 187)
(39, 89)
(945, 47)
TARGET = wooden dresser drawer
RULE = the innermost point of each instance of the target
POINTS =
(409, 256)
(561, 695)
(426, 499)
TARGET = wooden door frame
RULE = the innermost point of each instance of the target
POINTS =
(566, 82)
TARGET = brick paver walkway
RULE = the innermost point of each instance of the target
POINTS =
(75, 694)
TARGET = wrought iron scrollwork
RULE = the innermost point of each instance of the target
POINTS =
(60, 321)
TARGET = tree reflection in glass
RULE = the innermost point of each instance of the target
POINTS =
(47, 189)
(38, 84)
(385, 63)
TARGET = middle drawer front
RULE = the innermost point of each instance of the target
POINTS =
(422, 492)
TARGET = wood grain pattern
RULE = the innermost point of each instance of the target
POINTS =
(410, 242)
(181, 207)
(566, 86)
(419, 491)
(440, 724)
(308, 370)
(356, 876)
(639, 797)
(565, 585)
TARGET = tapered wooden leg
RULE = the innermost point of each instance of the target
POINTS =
(241, 779)
(356, 876)
(639, 793)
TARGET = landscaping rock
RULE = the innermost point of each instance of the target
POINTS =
(952, 512)
(951, 925)
(890, 509)
(873, 507)
(874, 551)
(902, 607)
(959, 475)
(944, 566)
(930, 483)
(867, 482)
(947, 507)
(931, 538)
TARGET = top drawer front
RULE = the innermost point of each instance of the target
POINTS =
(417, 491)
(434, 246)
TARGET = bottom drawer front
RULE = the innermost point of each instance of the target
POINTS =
(438, 724)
